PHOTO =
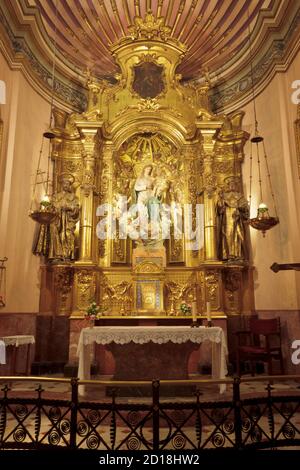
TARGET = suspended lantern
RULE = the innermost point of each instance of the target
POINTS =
(263, 221)
(46, 213)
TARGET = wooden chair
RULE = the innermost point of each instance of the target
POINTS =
(262, 342)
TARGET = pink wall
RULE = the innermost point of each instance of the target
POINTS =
(25, 116)
(276, 114)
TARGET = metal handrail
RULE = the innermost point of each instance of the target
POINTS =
(227, 381)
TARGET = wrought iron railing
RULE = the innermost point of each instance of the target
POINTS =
(156, 423)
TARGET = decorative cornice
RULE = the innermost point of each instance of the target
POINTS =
(68, 93)
(277, 58)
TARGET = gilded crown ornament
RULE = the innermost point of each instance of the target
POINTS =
(149, 28)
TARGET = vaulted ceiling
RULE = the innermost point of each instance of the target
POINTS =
(214, 30)
(79, 34)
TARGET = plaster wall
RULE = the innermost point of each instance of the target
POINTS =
(25, 116)
(276, 115)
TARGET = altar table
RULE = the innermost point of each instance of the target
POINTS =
(15, 342)
(183, 336)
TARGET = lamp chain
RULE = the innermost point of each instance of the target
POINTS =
(36, 175)
(251, 176)
(259, 173)
(270, 182)
(53, 66)
(252, 78)
(48, 169)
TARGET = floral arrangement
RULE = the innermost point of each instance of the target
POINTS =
(94, 311)
(185, 308)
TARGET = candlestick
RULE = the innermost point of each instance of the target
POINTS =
(194, 315)
(208, 311)
(194, 310)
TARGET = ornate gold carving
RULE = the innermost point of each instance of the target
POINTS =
(149, 28)
(177, 251)
(63, 282)
(87, 184)
(232, 286)
(148, 104)
(178, 293)
(127, 125)
(148, 267)
(86, 285)
(212, 287)
(224, 167)
(101, 248)
(121, 292)
(232, 281)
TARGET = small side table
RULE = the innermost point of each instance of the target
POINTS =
(15, 342)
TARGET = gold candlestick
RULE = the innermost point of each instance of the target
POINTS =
(194, 314)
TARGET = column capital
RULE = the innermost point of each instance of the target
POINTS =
(208, 130)
(88, 131)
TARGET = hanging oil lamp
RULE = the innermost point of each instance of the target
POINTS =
(45, 213)
(263, 220)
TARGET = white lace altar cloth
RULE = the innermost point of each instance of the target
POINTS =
(2, 352)
(17, 340)
(155, 334)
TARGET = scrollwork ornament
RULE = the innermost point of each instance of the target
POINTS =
(82, 428)
(86, 288)
(88, 182)
(94, 417)
(63, 279)
(212, 284)
(54, 438)
(179, 442)
(19, 434)
(93, 441)
(133, 443)
(210, 184)
(65, 426)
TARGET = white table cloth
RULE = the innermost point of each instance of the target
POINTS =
(17, 340)
(156, 334)
(2, 352)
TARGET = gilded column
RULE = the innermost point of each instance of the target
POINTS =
(208, 131)
(106, 190)
(88, 132)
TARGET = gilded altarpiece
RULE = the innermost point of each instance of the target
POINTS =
(150, 125)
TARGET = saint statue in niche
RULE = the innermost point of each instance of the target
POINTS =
(57, 242)
(232, 212)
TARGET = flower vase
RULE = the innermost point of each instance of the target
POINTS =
(91, 322)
